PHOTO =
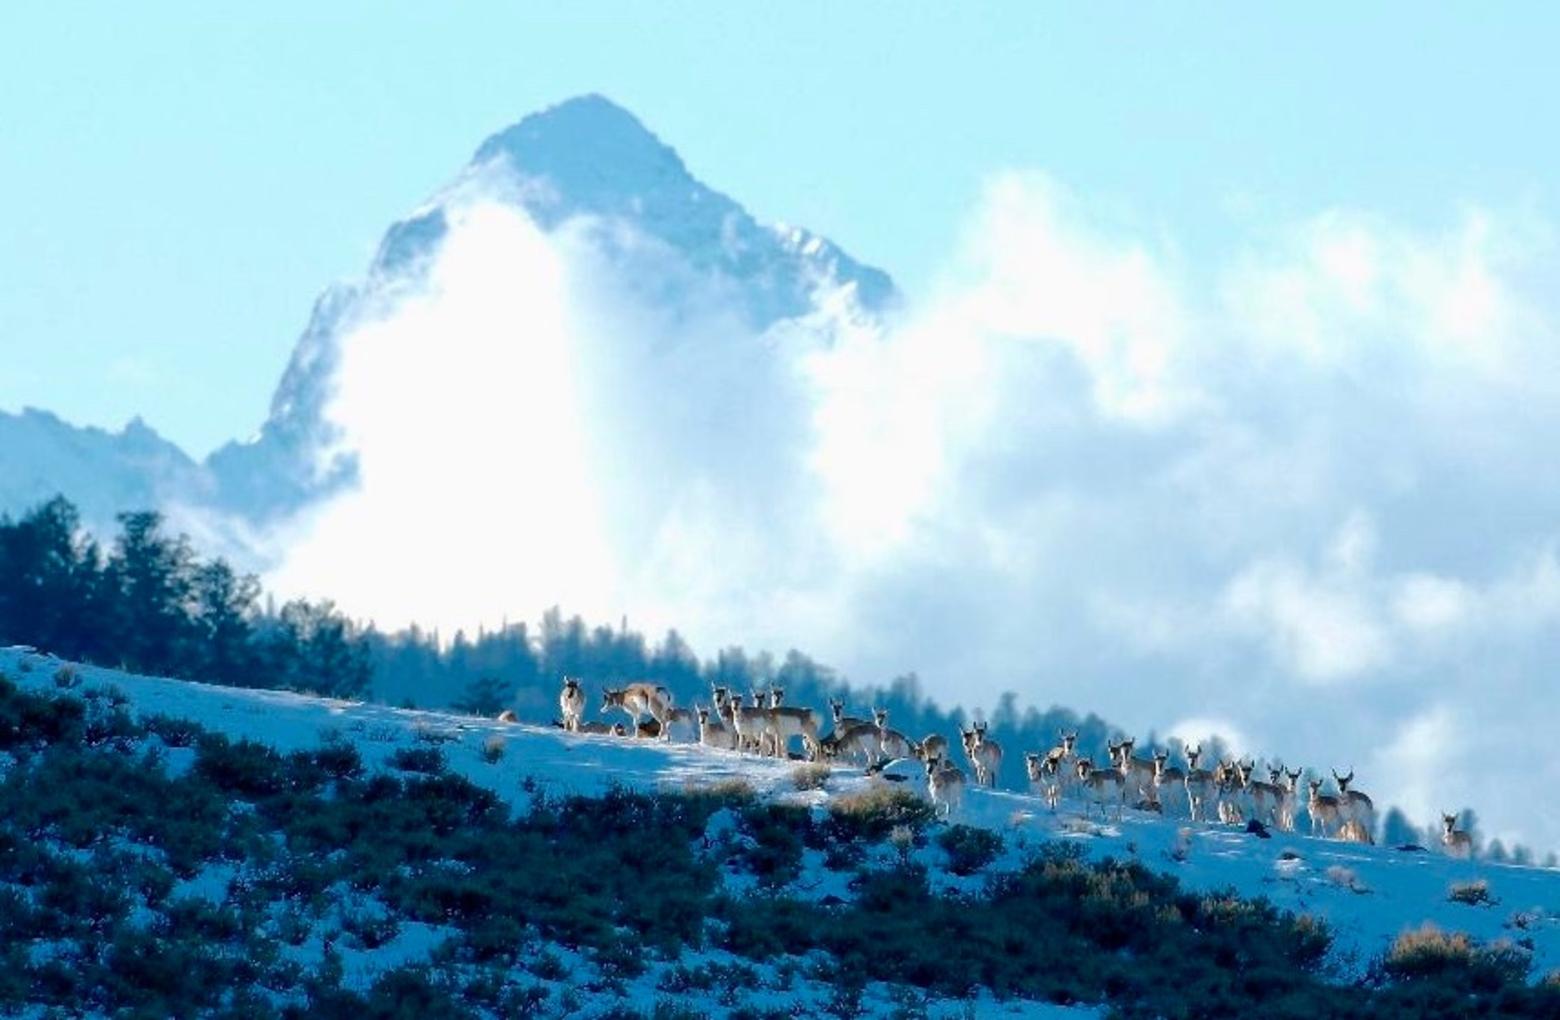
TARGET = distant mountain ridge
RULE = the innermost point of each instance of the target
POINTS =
(583, 157)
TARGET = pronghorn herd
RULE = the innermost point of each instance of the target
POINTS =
(1231, 792)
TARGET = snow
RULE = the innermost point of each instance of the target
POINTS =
(1368, 894)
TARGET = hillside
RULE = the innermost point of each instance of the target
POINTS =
(255, 849)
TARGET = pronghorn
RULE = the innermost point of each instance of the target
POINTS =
(1324, 809)
(983, 752)
(1138, 772)
(842, 722)
(638, 700)
(1290, 782)
(1101, 786)
(1264, 798)
(945, 784)
(782, 722)
(713, 732)
(1169, 780)
(508, 716)
(571, 702)
(891, 743)
(1356, 805)
(601, 729)
(1458, 842)
(860, 743)
(935, 745)
(686, 723)
(1044, 777)
(1231, 807)
(1201, 784)
(1063, 755)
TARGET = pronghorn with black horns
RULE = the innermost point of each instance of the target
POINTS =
(1201, 786)
(1169, 780)
(1357, 806)
(1045, 778)
(571, 702)
(983, 752)
(891, 743)
(945, 784)
(1458, 842)
(1139, 772)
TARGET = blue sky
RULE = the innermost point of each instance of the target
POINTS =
(181, 181)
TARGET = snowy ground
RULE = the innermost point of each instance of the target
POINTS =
(1368, 894)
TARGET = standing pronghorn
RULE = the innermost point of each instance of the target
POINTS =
(1288, 802)
(1325, 810)
(713, 732)
(640, 699)
(1458, 842)
(1232, 799)
(571, 702)
(1169, 780)
(891, 743)
(842, 722)
(1101, 786)
(1044, 777)
(933, 745)
(1357, 807)
(1201, 785)
(983, 752)
(944, 785)
(1264, 798)
(1139, 773)
(1064, 755)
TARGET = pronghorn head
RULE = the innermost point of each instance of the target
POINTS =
(776, 696)
(980, 732)
(1243, 772)
(704, 716)
(1294, 778)
(880, 716)
(1275, 774)
(1069, 741)
(1192, 754)
(1161, 758)
(1343, 781)
(1316, 788)
(611, 698)
(722, 695)
(934, 765)
(1084, 767)
(570, 684)
(1126, 750)
(1448, 822)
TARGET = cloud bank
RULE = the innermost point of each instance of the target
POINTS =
(1297, 493)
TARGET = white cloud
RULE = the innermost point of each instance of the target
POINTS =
(1302, 505)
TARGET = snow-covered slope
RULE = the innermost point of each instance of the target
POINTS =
(1368, 894)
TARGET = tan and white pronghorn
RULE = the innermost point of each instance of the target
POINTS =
(1064, 755)
(891, 743)
(1263, 798)
(571, 702)
(945, 784)
(933, 745)
(860, 743)
(1232, 799)
(1139, 773)
(782, 722)
(842, 722)
(1044, 777)
(1201, 786)
(1169, 781)
(714, 732)
(1458, 842)
(602, 729)
(1288, 803)
(640, 699)
(1325, 810)
(984, 754)
(1352, 831)
(1356, 805)
(508, 716)
(1101, 786)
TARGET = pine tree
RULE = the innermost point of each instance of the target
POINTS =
(485, 696)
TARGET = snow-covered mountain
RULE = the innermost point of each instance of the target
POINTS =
(585, 157)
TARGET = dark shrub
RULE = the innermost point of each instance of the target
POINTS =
(969, 849)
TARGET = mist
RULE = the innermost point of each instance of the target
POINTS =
(1298, 499)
